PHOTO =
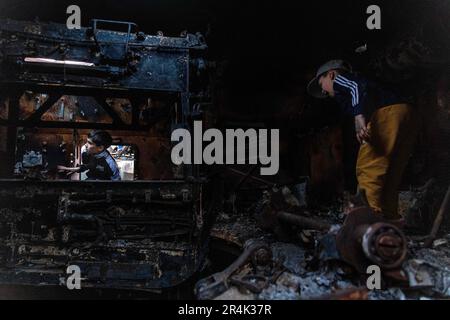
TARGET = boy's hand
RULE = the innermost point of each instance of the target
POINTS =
(63, 168)
(362, 133)
(67, 170)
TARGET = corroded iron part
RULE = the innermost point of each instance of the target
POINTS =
(366, 238)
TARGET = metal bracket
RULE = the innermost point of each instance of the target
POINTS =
(95, 22)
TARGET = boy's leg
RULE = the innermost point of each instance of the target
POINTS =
(371, 169)
(381, 162)
(406, 139)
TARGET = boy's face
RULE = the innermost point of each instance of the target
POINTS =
(92, 148)
(326, 83)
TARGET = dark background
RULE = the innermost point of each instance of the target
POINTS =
(294, 35)
(269, 45)
(266, 51)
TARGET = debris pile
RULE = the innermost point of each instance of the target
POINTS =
(322, 256)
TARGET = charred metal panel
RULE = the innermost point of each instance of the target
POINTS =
(51, 54)
(124, 235)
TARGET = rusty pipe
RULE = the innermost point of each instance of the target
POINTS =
(304, 222)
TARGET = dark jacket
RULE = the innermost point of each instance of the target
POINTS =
(358, 95)
(101, 166)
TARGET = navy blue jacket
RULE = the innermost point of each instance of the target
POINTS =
(358, 95)
(101, 166)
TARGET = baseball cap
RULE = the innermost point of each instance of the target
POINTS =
(314, 87)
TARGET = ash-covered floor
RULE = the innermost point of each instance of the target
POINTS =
(301, 268)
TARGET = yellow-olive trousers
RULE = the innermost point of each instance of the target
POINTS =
(382, 160)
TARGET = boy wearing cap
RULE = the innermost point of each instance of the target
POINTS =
(96, 159)
(385, 127)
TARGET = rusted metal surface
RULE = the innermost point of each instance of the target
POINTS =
(385, 245)
(366, 239)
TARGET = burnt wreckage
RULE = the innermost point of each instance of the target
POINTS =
(143, 234)
(154, 232)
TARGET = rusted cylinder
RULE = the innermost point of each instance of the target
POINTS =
(304, 222)
(385, 245)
